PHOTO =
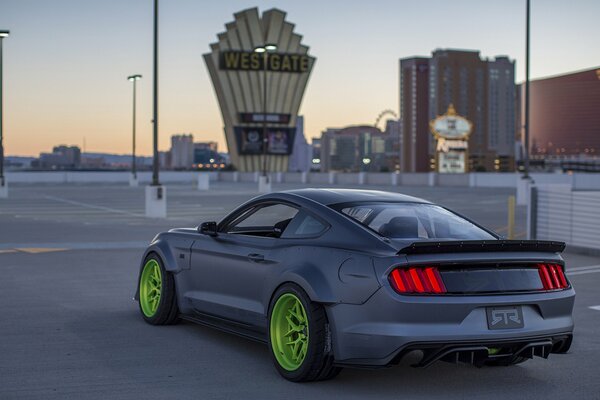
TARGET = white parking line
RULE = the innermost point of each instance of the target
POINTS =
(597, 308)
(587, 271)
(583, 268)
(77, 203)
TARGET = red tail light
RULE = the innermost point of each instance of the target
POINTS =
(417, 280)
(552, 276)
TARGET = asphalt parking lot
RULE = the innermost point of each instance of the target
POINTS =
(69, 256)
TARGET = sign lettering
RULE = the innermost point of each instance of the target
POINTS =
(276, 62)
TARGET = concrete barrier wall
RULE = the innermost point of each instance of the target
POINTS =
(349, 178)
(248, 176)
(453, 180)
(318, 177)
(378, 178)
(292, 177)
(227, 176)
(586, 181)
(499, 179)
(579, 181)
(415, 179)
(105, 177)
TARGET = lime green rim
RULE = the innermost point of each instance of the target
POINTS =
(289, 332)
(150, 288)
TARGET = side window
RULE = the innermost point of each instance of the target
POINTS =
(304, 225)
(270, 221)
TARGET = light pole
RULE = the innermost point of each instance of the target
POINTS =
(3, 34)
(265, 50)
(134, 79)
(155, 181)
(526, 149)
(156, 195)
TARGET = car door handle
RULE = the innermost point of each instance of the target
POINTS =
(256, 257)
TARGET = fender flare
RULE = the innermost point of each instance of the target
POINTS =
(163, 251)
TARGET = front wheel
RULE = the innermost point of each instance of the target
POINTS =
(299, 337)
(158, 302)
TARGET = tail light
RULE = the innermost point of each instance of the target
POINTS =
(552, 276)
(425, 280)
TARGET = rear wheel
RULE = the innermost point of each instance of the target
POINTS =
(298, 337)
(158, 303)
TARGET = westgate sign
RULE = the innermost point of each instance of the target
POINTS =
(276, 62)
(238, 77)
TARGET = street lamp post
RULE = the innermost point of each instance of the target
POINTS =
(134, 79)
(156, 194)
(155, 181)
(265, 50)
(526, 149)
(3, 189)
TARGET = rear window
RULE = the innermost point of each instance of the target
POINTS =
(414, 221)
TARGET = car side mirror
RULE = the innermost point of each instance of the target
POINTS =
(208, 228)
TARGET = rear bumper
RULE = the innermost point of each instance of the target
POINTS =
(388, 326)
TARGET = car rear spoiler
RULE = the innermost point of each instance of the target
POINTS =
(470, 246)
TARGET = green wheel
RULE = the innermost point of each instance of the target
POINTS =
(158, 302)
(150, 288)
(298, 335)
(289, 332)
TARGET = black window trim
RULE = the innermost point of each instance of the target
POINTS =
(226, 223)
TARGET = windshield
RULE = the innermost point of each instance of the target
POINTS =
(414, 221)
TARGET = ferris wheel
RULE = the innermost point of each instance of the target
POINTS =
(383, 114)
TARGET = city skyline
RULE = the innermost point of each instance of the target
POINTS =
(66, 63)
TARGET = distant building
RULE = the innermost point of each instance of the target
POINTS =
(62, 157)
(481, 90)
(564, 116)
(414, 113)
(316, 154)
(501, 116)
(207, 156)
(393, 132)
(300, 159)
(353, 149)
(182, 151)
(164, 159)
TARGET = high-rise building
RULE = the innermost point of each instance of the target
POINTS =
(460, 78)
(564, 116)
(182, 151)
(501, 116)
(414, 113)
(481, 90)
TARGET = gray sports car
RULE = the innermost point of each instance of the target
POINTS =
(333, 278)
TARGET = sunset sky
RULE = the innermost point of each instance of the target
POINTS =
(66, 61)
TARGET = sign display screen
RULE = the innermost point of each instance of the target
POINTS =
(452, 162)
(271, 118)
(250, 140)
(276, 62)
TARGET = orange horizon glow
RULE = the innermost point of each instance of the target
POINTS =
(66, 62)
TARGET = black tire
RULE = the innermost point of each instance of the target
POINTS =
(167, 312)
(318, 362)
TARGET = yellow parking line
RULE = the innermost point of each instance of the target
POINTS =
(37, 250)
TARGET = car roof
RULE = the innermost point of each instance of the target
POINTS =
(328, 196)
